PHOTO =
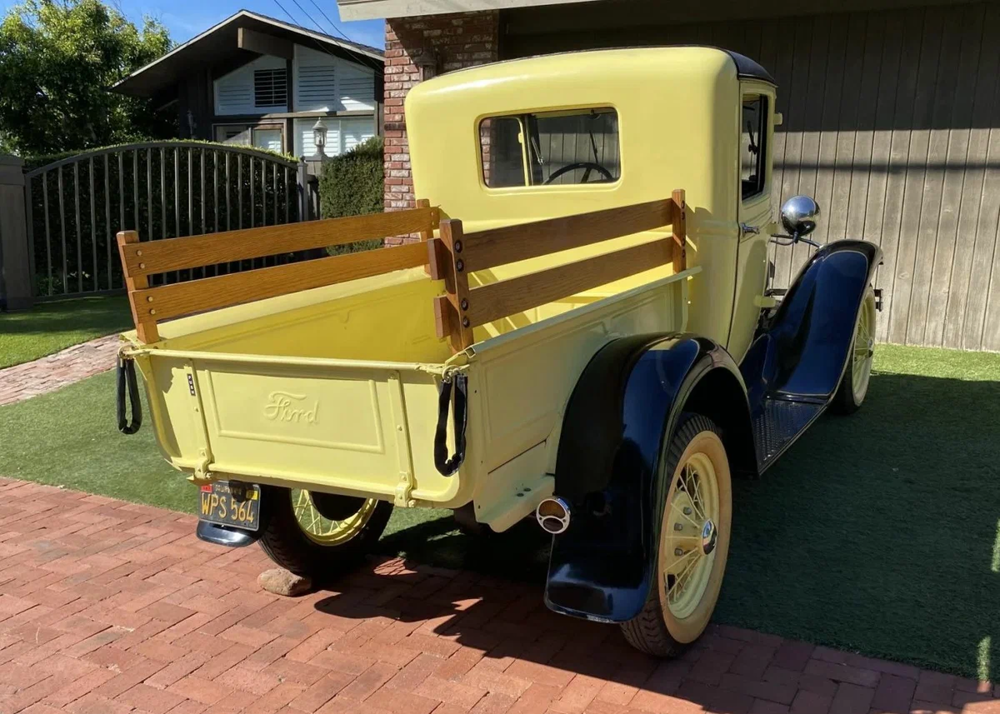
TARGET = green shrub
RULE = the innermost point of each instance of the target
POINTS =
(352, 185)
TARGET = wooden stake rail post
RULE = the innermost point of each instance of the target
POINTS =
(153, 304)
(455, 254)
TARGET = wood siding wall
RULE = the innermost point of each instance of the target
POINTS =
(892, 122)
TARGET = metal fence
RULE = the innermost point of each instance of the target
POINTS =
(76, 206)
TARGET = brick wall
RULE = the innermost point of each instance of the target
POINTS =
(417, 48)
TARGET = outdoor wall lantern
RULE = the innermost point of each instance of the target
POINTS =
(319, 138)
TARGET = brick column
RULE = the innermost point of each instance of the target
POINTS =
(417, 48)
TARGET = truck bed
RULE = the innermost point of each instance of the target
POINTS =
(336, 388)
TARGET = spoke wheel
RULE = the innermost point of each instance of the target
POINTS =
(693, 541)
(327, 531)
(857, 375)
(864, 349)
(298, 537)
(690, 535)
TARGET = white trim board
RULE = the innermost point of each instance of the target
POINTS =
(377, 9)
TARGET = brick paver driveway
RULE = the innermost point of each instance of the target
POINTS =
(112, 607)
(24, 381)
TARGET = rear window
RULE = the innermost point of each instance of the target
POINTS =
(579, 146)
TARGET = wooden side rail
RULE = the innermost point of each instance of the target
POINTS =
(455, 254)
(153, 304)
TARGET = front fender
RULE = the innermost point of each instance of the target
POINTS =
(803, 351)
(629, 397)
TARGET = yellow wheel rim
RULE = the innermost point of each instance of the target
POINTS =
(864, 349)
(691, 535)
(325, 531)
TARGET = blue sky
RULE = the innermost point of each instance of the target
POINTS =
(186, 18)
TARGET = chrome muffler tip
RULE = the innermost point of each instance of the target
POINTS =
(553, 515)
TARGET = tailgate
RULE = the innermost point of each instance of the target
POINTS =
(345, 426)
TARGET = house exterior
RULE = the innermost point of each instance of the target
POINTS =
(891, 121)
(258, 81)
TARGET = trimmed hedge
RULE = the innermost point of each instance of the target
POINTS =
(351, 185)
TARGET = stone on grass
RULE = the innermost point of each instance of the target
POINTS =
(281, 582)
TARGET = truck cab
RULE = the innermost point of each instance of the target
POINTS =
(544, 137)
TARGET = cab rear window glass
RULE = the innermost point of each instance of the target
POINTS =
(579, 146)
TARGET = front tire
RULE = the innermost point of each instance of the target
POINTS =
(693, 543)
(299, 538)
(854, 384)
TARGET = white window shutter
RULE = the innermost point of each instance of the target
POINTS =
(356, 89)
(317, 88)
(324, 83)
(304, 145)
(356, 130)
(235, 92)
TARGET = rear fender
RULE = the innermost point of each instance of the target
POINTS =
(803, 349)
(628, 398)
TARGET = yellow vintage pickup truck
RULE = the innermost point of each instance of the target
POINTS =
(579, 328)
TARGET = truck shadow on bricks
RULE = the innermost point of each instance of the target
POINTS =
(865, 530)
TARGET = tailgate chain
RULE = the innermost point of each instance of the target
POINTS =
(446, 465)
(127, 384)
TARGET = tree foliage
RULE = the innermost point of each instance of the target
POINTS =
(58, 59)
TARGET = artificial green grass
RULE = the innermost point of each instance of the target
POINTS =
(50, 327)
(70, 438)
(880, 532)
(876, 533)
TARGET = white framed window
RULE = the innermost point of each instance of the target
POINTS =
(263, 136)
(268, 137)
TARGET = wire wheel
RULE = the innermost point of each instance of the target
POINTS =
(690, 540)
(854, 384)
(693, 541)
(327, 531)
(863, 350)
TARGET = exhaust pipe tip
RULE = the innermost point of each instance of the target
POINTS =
(553, 515)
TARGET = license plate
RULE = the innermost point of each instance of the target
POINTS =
(231, 503)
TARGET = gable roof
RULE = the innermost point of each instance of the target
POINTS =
(217, 46)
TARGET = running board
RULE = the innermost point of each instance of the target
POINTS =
(778, 425)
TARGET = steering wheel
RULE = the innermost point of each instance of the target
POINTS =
(588, 165)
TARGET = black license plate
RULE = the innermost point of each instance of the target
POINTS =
(231, 503)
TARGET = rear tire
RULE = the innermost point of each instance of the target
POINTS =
(691, 559)
(311, 545)
(854, 384)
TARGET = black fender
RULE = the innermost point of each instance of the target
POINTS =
(802, 351)
(627, 402)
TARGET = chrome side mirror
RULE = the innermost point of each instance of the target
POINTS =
(799, 215)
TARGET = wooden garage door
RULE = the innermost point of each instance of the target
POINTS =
(892, 121)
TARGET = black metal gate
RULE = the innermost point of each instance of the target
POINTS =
(75, 207)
